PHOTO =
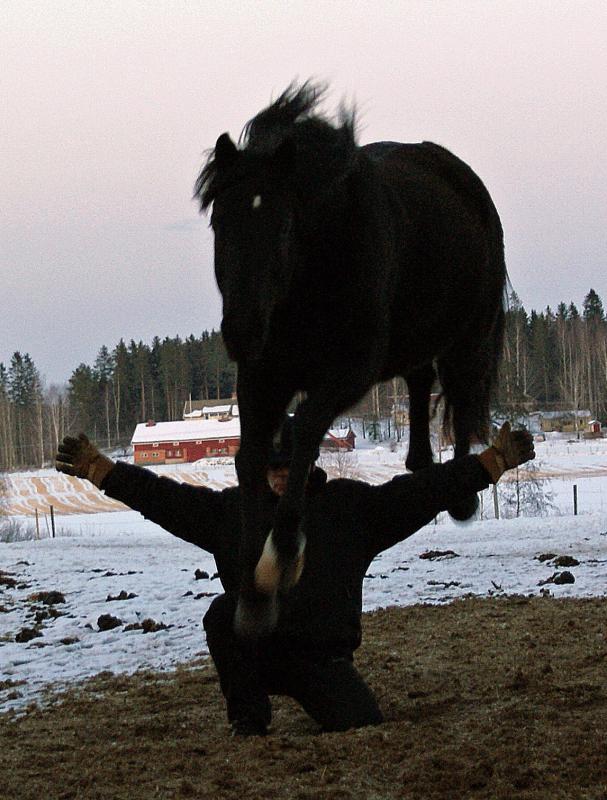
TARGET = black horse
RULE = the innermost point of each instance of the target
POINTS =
(341, 266)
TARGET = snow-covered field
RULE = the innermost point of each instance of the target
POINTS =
(98, 556)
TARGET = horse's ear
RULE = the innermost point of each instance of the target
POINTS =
(285, 155)
(225, 151)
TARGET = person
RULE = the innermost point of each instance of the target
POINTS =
(347, 523)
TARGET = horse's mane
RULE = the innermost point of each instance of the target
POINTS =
(324, 150)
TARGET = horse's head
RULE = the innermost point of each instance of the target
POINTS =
(252, 220)
(263, 196)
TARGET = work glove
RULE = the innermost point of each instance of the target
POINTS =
(509, 449)
(80, 457)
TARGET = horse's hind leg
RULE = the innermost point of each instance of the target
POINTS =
(467, 409)
(420, 383)
(463, 429)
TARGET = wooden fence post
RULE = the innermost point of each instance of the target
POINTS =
(53, 521)
(575, 499)
(37, 526)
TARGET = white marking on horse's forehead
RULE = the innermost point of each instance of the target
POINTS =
(257, 201)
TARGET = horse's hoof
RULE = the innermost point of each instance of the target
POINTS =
(464, 509)
(256, 615)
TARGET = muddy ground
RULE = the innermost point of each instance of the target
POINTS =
(498, 698)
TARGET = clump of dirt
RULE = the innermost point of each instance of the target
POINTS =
(147, 626)
(27, 634)
(124, 595)
(107, 622)
(48, 598)
(484, 698)
(6, 579)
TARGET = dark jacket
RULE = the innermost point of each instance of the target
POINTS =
(347, 523)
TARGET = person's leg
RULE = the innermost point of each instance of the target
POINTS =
(333, 693)
(248, 704)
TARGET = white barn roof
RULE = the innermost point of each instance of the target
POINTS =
(185, 431)
(213, 411)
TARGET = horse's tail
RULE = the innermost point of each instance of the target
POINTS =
(473, 379)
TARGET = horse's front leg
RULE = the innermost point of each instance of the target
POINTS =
(281, 563)
(261, 413)
(256, 611)
(463, 428)
(282, 559)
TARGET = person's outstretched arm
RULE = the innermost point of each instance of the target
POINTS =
(193, 513)
(405, 504)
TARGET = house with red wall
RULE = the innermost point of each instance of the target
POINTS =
(184, 441)
(339, 440)
(187, 440)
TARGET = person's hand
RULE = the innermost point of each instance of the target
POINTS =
(79, 457)
(510, 449)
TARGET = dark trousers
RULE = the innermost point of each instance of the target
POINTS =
(326, 685)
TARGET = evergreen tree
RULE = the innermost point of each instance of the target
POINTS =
(83, 393)
(196, 358)
(141, 360)
(25, 394)
(24, 381)
(8, 456)
(593, 307)
(594, 353)
(222, 372)
(120, 386)
(542, 356)
(104, 365)
(174, 375)
(103, 371)
(157, 408)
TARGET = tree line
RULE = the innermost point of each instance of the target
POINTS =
(556, 357)
(125, 385)
(551, 359)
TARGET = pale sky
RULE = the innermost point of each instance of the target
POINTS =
(108, 107)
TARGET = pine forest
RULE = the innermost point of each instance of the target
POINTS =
(553, 359)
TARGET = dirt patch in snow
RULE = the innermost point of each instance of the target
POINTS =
(497, 698)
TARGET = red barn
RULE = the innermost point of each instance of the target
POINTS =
(339, 440)
(185, 441)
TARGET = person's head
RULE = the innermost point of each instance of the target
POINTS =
(277, 479)
(281, 453)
